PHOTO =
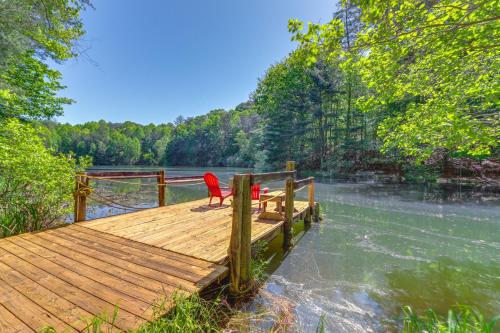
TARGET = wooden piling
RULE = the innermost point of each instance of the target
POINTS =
(81, 192)
(316, 215)
(310, 210)
(289, 197)
(161, 187)
(241, 232)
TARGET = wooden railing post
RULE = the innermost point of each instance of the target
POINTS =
(241, 233)
(161, 188)
(81, 192)
(310, 209)
(289, 194)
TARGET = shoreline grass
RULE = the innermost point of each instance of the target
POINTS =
(460, 319)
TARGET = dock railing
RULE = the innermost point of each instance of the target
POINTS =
(240, 252)
(240, 242)
(309, 182)
(83, 189)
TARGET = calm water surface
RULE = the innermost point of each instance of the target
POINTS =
(379, 247)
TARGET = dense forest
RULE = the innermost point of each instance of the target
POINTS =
(219, 138)
(331, 108)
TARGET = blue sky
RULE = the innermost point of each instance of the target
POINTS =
(151, 61)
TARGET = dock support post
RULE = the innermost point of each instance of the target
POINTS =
(289, 187)
(81, 192)
(310, 209)
(241, 235)
(161, 188)
(316, 215)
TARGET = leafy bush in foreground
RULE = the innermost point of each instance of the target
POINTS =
(35, 186)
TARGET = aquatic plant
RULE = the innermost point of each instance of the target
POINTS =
(460, 319)
(321, 328)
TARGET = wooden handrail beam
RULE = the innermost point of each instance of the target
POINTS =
(122, 177)
(184, 178)
(124, 174)
(302, 182)
(259, 178)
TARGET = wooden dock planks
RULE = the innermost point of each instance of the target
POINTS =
(133, 261)
(56, 277)
(191, 228)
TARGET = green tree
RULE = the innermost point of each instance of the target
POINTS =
(35, 184)
(33, 31)
(310, 115)
(215, 139)
(432, 69)
(32, 88)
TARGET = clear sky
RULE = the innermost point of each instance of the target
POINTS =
(153, 60)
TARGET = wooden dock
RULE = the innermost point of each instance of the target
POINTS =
(135, 261)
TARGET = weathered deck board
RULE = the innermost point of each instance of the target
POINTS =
(192, 228)
(56, 277)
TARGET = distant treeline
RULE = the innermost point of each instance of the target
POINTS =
(248, 136)
(219, 138)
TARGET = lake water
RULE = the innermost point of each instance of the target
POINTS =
(378, 247)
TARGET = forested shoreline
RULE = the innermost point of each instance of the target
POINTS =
(334, 108)
(235, 138)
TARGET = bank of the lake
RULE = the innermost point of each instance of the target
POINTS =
(379, 247)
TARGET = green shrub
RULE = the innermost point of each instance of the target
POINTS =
(35, 185)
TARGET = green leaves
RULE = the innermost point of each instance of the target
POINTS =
(437, 61)
(49, 28)
(30, 89)
(35, 186)
(317, 38)
(31, 32)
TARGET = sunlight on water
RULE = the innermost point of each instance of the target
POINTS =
(379, 247)
(384, 246)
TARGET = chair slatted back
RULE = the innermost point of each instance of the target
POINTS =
(212, 183)
(256, 192)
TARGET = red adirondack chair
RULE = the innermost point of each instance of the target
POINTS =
(215, 190)
(256, 193)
